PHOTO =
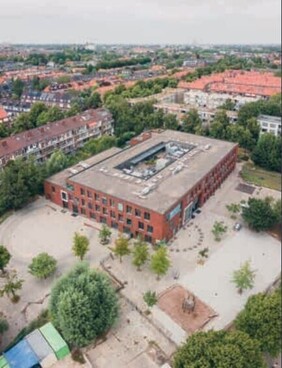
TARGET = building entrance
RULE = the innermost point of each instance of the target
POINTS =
(188, 211)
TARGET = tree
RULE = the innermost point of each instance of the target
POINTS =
(261, 320)
(261, 214)
(150, 298)
(93, 101)
(140, 253)
(160, 262)
(57, 162)
(83, 305)
(13, 284)
(17, 87)
(233, 208)
(219, 349)
(191, 121)
(228, 105)
(80, 245)
(5, 257)
(20, 180)
(105, 234)
(218, 230)
(268, 152)
(170, 122)
(244, 277)
(121, 247)
(43, 266)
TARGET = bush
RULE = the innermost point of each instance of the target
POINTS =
(43, 266)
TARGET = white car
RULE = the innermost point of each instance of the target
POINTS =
(237, 226)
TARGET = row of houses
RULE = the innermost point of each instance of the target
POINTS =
(67, 135)
(61, 100)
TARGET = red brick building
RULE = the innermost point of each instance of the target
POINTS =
(150, 189)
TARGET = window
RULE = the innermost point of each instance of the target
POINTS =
(140, 225)
(82, 191)
(126, 229)
(120, 206)
(90, 205)
(92, 215)
(97, 208)
(147, 216)
(112, 203)
(82, 210)
(53, 189)
(129, 221)
(120, 217)
(112, 214)
(128, 209)
(97, 197)
(137, 213)
(150, 229)
(70, 197)
(105, 211)
(89, 194)
(114, 224)
(64, 196)
(103, 220)
(83, 202)
(148, 238)
(104, 201)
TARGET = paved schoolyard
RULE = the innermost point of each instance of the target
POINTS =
(212, 281)
(41, 228)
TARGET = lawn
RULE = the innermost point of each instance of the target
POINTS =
(258, 176)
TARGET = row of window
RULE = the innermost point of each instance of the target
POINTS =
(112, 203)
(114, 224)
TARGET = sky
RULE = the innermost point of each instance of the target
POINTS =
(140, 21)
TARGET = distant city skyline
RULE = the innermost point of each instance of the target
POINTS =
(141, 21)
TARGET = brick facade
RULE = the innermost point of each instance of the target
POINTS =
(131, 218)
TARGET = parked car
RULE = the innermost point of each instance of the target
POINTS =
(237, 226)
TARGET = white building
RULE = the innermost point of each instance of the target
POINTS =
(270, 124)
(213, 100)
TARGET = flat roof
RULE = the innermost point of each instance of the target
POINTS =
(164, 189)
(270, 118)
(61, 177)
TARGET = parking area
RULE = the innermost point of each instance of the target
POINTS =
(44, 227)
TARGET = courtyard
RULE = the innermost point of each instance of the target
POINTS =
(45, 227)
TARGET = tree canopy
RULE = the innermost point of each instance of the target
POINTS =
(80, 245)
(244, 277)
(261, 214)
(261, 320)
(160, 262)
(219, 349)
(5, 257)
(268, 152)
(83, 305)
(43, 266)
(121, 247)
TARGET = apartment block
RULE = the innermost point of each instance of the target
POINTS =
(67, 135)
(270, 124)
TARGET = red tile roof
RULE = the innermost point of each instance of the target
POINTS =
(3, 114)
(237, 81)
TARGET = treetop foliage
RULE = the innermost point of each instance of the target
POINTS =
(83, 305)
